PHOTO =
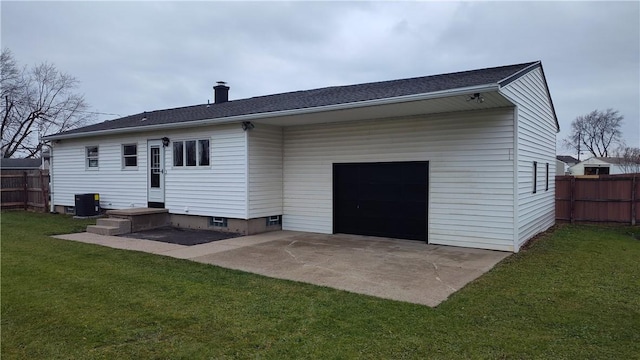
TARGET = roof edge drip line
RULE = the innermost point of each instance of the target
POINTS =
(304, 111)
(519, 73)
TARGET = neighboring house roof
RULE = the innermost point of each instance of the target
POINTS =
(595, 160)
(18, 164)
(317, 98)
(567, 159)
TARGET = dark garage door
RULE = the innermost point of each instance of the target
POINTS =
(381, 199)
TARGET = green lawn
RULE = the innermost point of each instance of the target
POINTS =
(575, 294)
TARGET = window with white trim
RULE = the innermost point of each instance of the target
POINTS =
(191, 153)
(129, 155)
(91, 157)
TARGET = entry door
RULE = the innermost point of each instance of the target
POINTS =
(381, 199)
(155, 178)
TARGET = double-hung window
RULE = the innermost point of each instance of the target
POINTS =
(130, 155)
(191, 153)
(91, 157)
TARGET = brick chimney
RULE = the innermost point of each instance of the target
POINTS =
(220, 93)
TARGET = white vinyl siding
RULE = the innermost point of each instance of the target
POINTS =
(536, 142)
(265, 171)
(117, 188)
(215, 190)
(470, 158)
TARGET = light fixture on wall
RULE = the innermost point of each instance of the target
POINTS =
(165, 141)
(477, 97)
(247, 125)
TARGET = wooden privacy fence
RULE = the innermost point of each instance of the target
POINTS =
(25, 189)
(604, 198)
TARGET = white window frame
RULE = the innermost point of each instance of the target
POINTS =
(124, 157)
(184, 154)
(88, 158)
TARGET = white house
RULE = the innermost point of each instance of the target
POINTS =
(598, 166)
(463, 159)
(563, 163)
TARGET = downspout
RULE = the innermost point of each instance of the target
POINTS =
(246, 175)
(282, 134)
(51, 205)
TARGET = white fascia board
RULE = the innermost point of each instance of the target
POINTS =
(249, 117)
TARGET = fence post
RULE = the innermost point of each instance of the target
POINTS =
(25, 181)
(572, 198)
(633, 200)
(45, 196)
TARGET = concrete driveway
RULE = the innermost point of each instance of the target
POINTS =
(388, 268)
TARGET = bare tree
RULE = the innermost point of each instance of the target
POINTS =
(629, 158)
(597, 132)
(36, 102)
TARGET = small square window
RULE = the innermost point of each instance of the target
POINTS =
(130, 155)
(92, 157)
(218, 222)
(274, 220)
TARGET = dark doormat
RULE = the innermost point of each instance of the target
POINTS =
(178, 236)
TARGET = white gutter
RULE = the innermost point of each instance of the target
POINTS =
(249, 117)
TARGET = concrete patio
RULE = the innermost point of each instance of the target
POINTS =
(394, 269)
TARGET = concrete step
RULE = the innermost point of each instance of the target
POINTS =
(142, 218)
(103, 230)
(110, 226)
(123, 225)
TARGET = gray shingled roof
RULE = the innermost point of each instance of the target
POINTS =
(567, 159)
(313, 98)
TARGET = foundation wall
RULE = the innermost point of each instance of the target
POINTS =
(237, 226)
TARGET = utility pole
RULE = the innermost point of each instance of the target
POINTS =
(579, 142)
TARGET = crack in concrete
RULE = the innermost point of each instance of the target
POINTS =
(304, 264)
(435, 269)
(295, 258)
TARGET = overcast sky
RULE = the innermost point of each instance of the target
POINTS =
(139, 56)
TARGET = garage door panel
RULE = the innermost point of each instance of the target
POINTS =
(413, 193)
(344, 191)
(379, 192)
(350, 208)
(381, 199)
